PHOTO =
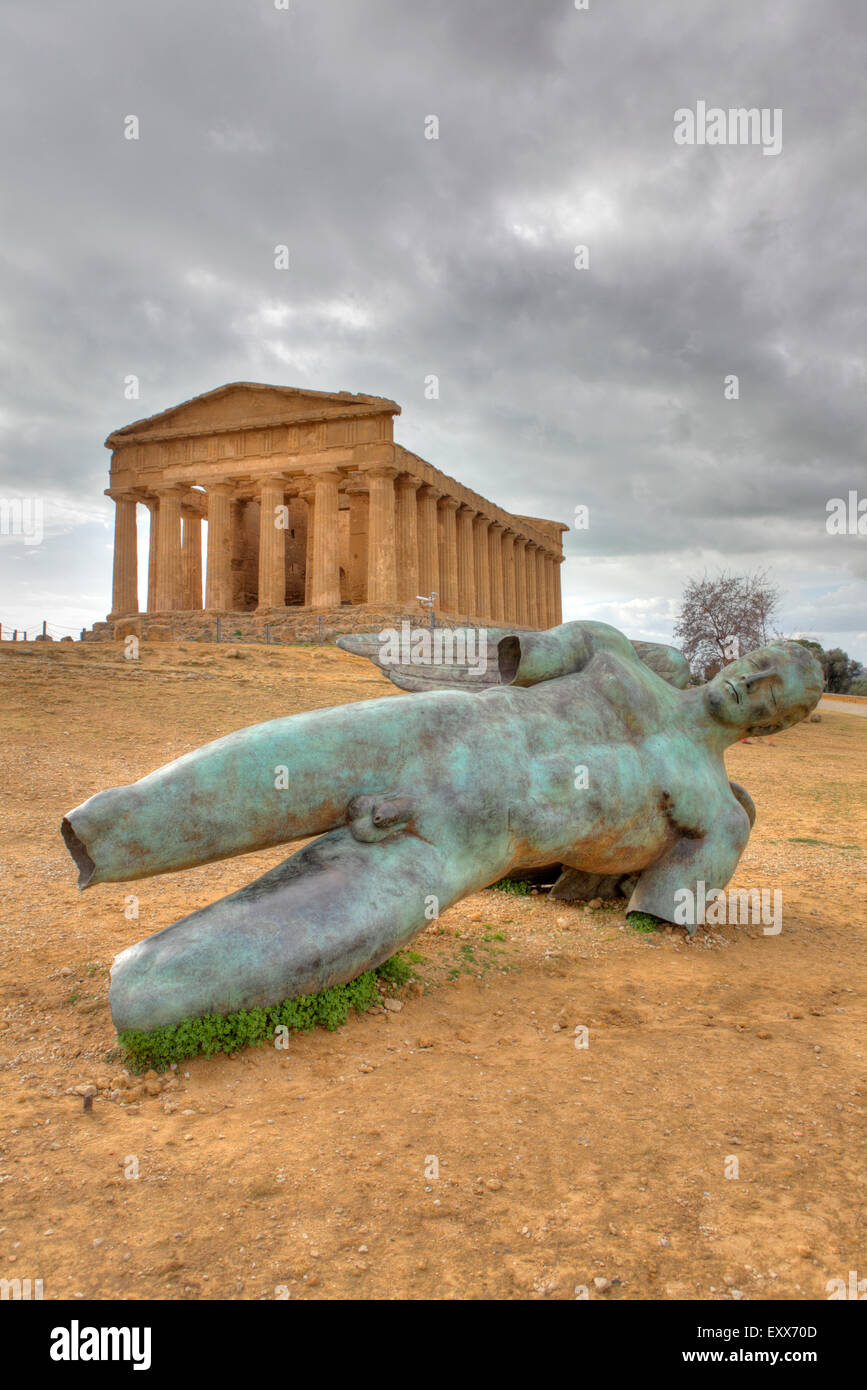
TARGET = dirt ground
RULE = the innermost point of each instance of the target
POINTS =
(707, 1143)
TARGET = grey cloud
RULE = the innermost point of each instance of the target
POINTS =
(454, 256)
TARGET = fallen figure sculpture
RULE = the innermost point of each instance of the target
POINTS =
(567, 748)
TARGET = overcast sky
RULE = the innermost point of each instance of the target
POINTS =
(559, 386)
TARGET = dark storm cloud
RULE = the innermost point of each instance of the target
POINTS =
(455, 257)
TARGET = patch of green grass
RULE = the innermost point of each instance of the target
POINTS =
(248, 1027)
(518, 886)
(494, 936)
(396, 971)
(824, 844)
(643, 921)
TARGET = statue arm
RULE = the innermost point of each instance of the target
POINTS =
(520, 657)
(695, 864)
(526, 658)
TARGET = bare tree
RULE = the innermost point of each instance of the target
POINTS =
(723, 618)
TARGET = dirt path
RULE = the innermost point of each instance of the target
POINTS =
(311, 1171)
(844, 707)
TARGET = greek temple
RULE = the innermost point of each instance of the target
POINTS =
(312, 508)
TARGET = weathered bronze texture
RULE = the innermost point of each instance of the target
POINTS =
(574, 752)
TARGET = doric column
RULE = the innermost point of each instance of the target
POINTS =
(191, 557)
(428, 544)
(482, 567)
(381, 547)
(124, 587)
(407, 538)
(466, 562)
(448, 507)
(510, 601)
(558, 589)
(308, 497)
(218, 584)
(532, 586)
(523, 606)
(495, 566)
(325, 567)
(359, 526)
(551, 567)
(272, 542)
(170, 575)
(153, 506)
(542, 588)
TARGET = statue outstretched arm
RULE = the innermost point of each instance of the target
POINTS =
(504, 656)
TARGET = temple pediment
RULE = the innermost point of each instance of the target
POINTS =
(245, 404)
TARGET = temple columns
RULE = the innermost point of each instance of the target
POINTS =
(218, 583)
(324, 551)
(153, 506)
(381, 547)
(359, 526)
(191, 557)
(428, 545)
(542, 588)
(124, 587)
(532, 592)
(510, 603)
(495, 567)
(272, 543)
(482, 568)
(466, 562)
(169, 596)
(556, 603)
(407, 538)
(523, 607)
(448, 507)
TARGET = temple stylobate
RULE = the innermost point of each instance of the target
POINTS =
(312, 506)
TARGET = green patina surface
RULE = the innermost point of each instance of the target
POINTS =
(566, 747)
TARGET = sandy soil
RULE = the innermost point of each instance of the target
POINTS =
(309, 1172)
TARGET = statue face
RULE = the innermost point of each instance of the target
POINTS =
(766, 691)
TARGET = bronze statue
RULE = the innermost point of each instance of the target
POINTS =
(564, 747)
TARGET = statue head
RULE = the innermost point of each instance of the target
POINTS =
(769, 690)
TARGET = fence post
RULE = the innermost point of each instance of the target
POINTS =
(320, 621)
(219, 628)
(268, 634)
